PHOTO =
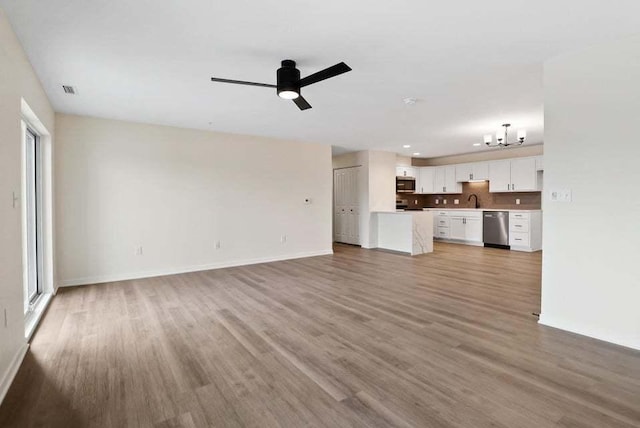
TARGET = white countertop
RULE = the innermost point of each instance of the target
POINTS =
(445, 208)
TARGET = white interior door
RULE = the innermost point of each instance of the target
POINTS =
(346, 210)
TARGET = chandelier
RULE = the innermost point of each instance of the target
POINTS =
(502, 137)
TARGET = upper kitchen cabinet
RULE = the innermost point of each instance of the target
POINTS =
(472, 171)
(445, 180)
(425, 181)
(406, 171)
(514, 175)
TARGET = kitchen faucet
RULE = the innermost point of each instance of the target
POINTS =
(476, 196)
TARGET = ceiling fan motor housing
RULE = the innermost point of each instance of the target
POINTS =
(288, 77)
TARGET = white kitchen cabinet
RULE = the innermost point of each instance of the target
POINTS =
(513, 175)
(457, 228)
(500, 176)
(473, 229)
(466, 226)
(406, 171)
(445, 180)
(539, 163)
(459, 225)
(525, 230)
(524, 176)
(472, 171)
(425, 180)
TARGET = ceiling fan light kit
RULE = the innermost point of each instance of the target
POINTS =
(502, 137)
(289, 81)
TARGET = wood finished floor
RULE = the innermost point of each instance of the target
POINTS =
(358, 339)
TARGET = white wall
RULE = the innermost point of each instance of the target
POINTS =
(175, 192)
(17, 81)
(591, 281)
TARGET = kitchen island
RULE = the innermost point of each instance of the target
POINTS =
(404, 231)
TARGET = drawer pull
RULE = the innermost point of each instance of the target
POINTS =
(517, 225)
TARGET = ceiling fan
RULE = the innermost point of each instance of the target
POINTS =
(289, 81)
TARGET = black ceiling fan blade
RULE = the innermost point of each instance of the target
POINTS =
(242, 82)
(301, 103)
(327, 73)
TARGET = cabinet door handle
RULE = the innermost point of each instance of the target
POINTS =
(508, 186)
(513, 186)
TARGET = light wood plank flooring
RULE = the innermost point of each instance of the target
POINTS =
(358, 339)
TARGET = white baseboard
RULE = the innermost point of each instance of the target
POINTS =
(162, 272)
(563, 325)
(12, 371)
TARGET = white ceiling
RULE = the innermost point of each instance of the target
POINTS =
(471, 64)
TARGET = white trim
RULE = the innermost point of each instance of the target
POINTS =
(567, 326)
(12, 371)
(148, 274)
(33, 318)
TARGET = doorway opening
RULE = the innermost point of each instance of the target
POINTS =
(33, 218)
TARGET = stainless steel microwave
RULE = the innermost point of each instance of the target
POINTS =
(405, 185)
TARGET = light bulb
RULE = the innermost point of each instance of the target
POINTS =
(522, 134)
(488, 139)
(288, 95)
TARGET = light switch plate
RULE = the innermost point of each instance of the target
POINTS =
(560, 195)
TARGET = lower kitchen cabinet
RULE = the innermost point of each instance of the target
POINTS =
(456, 225)
(465, 227)
(525, 230)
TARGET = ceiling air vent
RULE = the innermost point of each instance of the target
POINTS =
(68, 89)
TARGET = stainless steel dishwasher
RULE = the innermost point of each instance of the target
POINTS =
(495, 228)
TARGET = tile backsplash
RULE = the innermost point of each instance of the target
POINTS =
(528, 200)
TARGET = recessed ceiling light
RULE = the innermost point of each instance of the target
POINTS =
(477, 144)
(416, 154)
(406, 146)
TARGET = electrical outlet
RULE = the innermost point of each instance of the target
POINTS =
(456, 201)
(138, 250)
(437, 201)
(218, 245)
(517, 201)
(415, 201)
(283, 239)
(444, 202)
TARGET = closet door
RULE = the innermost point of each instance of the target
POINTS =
(346, 210)
(338, 205)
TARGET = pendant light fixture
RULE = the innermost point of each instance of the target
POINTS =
(502, 137)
